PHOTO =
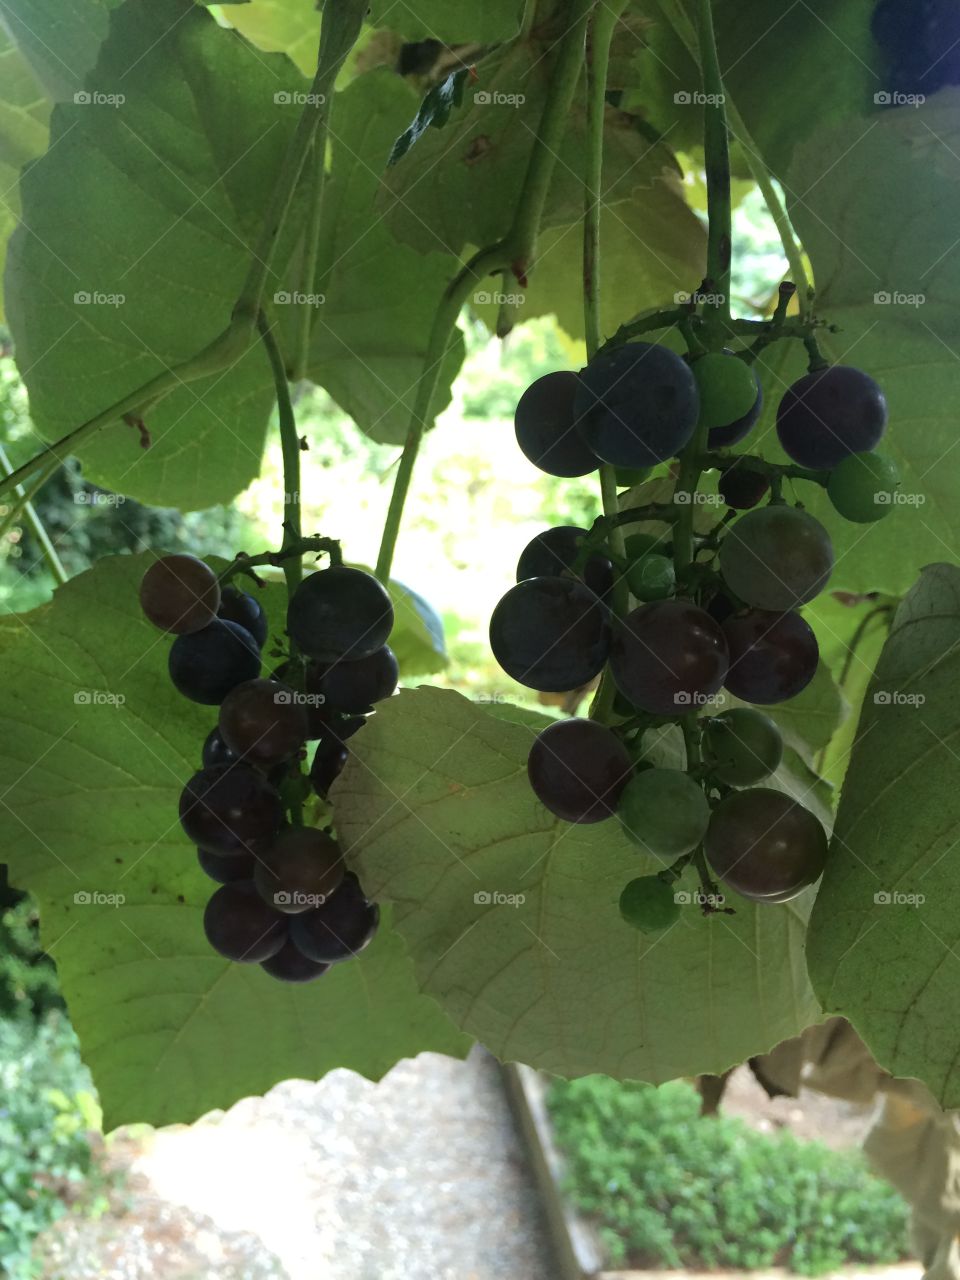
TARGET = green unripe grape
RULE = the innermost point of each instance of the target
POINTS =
(862, 486)
(728, 389)
(665, 811)
(649, 904)
(627, 477)
(652, 577)
(742, 746)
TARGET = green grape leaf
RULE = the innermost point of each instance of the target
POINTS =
(417, 638)
(890, 286)
(654, 248)
(96, 745)
(139, 269)
(886, 905)
(512, 920)
(459, 185)
(450, 21)
(24, 130)
(282, 26)
(60, 39)
(434, 112)
(371, 331)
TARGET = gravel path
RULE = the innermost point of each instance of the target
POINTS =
(420, 1177)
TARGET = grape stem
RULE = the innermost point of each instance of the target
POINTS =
(599, 35)
(240, 334)
(774, 471)
(516, 254)
(311, 545)
(24, 507)
(290, 449)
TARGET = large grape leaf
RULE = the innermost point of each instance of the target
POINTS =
(283, 26)
(903, 163)
(884, 933)
(459, 185)
(59, 38)
(137, 232)
(438, 811)
(94, 747)
(379, 297)
(24, 129)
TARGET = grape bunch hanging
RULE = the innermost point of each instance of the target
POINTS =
(285, 900)
(725, 615)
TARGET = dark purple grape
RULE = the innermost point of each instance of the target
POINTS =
(578, 769)
(180, 594)
(263, 721)
(241, 607)
(637, 404)
(205, 665)
(764, 845)
(773, 656)
(241, 927)
(328, 762)
(341, 928)
(291, 965)
(552, 554)
(300, 870)
(226, 869)
(829, 414)
(215, 751)
(356, 686)
(776, 557)
(546, 428)
(668, 657)
(742, 488)
(230, 809)
(340, 613)
(550, 634)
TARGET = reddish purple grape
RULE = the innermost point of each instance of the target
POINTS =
(829, 414)
(356, 686)
(550, 634)
(742, 488)
(215, 751)
(291, 965)
(328, 763)
(764, 845)
(668, 657)
(226, 868)
(230, 809)
(263, 721)
(300, 870)
(180, 594)
(773, 656)
(241, 927)
(546, 427)
(552, 554)
(247, 612)
(578, 769)
(205, 665)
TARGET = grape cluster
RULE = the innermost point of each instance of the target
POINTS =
(284, 899)
(729, 620)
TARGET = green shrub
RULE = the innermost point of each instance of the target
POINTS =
(669, 1188)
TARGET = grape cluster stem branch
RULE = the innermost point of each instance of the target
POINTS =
(23, 506)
